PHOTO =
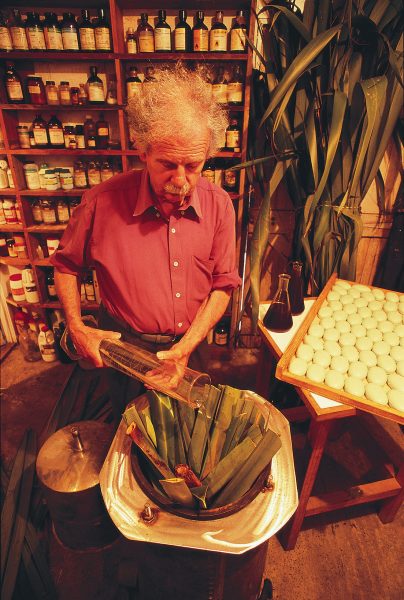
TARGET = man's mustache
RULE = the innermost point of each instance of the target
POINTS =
(172, 189)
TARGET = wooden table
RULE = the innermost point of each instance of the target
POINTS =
(324, 414)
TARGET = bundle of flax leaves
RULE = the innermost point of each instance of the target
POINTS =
(207, 457)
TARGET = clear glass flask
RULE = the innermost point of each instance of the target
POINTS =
(279, 316)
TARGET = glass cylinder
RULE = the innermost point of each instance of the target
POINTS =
(279, 316)
(296, 287)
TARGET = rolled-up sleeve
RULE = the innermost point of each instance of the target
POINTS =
(225, 272)
(73, 255)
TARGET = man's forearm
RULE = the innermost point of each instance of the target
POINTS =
(68, 293)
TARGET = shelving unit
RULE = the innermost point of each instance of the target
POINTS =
(57, 65)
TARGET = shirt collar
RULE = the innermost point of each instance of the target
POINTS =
(145, 199)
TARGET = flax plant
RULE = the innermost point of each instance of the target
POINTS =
(325, 101)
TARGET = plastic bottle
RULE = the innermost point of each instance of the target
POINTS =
(46, 343)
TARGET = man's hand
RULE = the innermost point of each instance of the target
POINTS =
(87, 342)
(172, 368)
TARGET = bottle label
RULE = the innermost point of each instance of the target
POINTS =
(70, 39)
(219, 91)
(230, 179)
(87, 38)
(32, 180)
(162, 39)
(238, 38)
(19, 38)
(63, 214)
(14, 90)
(131, 46)
(10, 215)
(65, 96)
(146, 41)
(80, 179)
(51, 290)
(105, 175)
(52, 96)
(36, 39)
(102, 39)
(37, 214)
(133, 88)
(103, 131)
(90, 294)
(5, 39)
(91, 143)
(94, 177)
(48, 215)
(34, 89)
(96, 92)
(233, 139)
(235, 92)
(80, 141)
(221, 339)
(218, 40)
(201, 40)
(53, 39)
(209, 174)
(56, 136)
(180, 39)
(40, 136)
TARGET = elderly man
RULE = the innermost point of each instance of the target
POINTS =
(162, 240)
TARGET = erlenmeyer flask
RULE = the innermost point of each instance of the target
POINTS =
(279, 316)
(296, 287)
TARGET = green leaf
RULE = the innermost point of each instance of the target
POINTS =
(311, 140)
(292, 18)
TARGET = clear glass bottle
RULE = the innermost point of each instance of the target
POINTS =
(219, 86)
(86, 32)
(95, 86)
(64, 93)
(17, 30)
(102, 32)
(145, 35)
(50, 285)
(235, 87)
(70, 34)
(93, 173)
(131, 41)
(6, 44)
(52, 32)
(28, 344)
(218, 34)
(52, 95)
(162, 33)
(133, 83)
(279, 316)
(182, 34)
(296, 287)
(106, 171)
(23, 136)
(35, 33)
(238, 33)
(200, 34)
(13, 85)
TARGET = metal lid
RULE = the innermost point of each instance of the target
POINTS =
(71, 459)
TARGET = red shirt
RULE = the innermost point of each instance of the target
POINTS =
(153, 273)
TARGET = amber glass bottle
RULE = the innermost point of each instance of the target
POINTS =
(102, 32)
(13, 85)
(145, 35)
(102, 133)
(182, 34)
(162, 34)
(279, 317)
(55, 133)
(200, 34)
(86, 32)
(95, 88)
(218, 34)
(238, 33)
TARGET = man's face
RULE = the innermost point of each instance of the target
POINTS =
(174, 166)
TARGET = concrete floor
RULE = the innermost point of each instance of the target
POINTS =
(348, 555)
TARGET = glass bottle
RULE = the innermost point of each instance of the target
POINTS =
(80, 139)
(70, 33)
(102, 132)
(74, 95)
(52, 32)
(95, 88)
(28, 344)
(235, 87)
(12, 252)
(130, 41)
(133, 83)
(149, 75)
(3, 246)
(279, 317)
(219, 87)
(36, 90)
(79, 177)
(230, 179)
(102, 32)
(89, 288)
(75, 202)
(36, 211)
(233, 141)
(40, 132)
(112, 93)
(106, 171)
(48, 211)
(23, 136)
(218, 34)
(69, 136)
(13, 86)
(17, 30)
(86, 32)
(200, 34)
(50, 285)
(182, 34)
(208, 170)
(34, 30)
(145, 35)
(93, 173)
(41, 174)
(62, 209)
(83, 98)
(55, 133)
(238, 33)
(89, 128)
(6, 44)
(51, 91)
(296, 287)
(64, 93)
(162, 33)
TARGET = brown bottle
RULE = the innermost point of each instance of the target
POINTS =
(238, 33)
(40, 131)
(218, 34)
(145, 35)
(296, 287)
(279, 317)
(55, 133)
(102, 133)
(89, 128)
(13, 86)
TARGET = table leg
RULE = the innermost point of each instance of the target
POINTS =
(318, 435)
(390, 507)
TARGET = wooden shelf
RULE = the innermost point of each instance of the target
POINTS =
(8, 227)
(46, 228)
(65, 152)
(7, 191)
(41, 262)
(41, 192)
(61, 107)
(174, 56)
(16, 262)
(12, 302)
(49, 56)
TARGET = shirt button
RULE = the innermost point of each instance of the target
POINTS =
(178, 295)
(175, 263)
(182, 212)
(173, 230)
(157, 214)
(179, 324)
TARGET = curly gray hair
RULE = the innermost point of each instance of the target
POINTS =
(176, 105)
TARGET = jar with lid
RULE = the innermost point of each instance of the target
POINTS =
(55, 133)
(36, 211)
(40, 132)
(66, 179)
(80, 140)
(70, 33)
(51, 91)
(48, 211)
(64, 93)
(36, 90)
(10, 213)
(41, 173)
(35, 33)
(28, 281)
(79, 175)
(12, 252)
(69, 136)
(52, 32)
(52, 181)
(16, 285)
(93, 172)
(62, 207)
(13, 84)
(31, 173)
(23, 136)
(106, 171)
(74, 203)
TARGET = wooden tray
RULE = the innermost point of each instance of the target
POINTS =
(283, 373)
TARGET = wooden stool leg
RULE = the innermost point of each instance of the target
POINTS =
(390, 507)
(318, 434)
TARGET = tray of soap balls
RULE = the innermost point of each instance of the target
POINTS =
(350, 348)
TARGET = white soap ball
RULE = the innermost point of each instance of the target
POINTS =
(324, 312)
(380, 348)
(315, 373)
(369, 323)
(377, 375)
(396, 400)
(315, 343)
(361, 302)
(363, 343)
(316, 320)
(347, 339)
(399, 330)
(389, 307)
(332, 348)
(340, 290)
(392, 297)
(343, 326)
(375, 335)
(331, 335)
(387, 363)
(298, 366)
(378, 294)
(375, 393)
(340, 364)
(305, 352)
(316, 330)
(401, 308)
(368, 357)
(357, 369)
(400, 367)
(322, 357)
(334, 379)
(327, 322)
(354, 319)
(397, 352)
(354, 386)
(359, 331)
(380, 315)
(394, 317)
(362, 289)
(364, 312)
(396, 382)
(385, 326)
(350, 353)
(350, 309)
(401, 298)
(348, 299)
(344, 284)
(339, 315)
(335, 305)
(369, 297)
(391, 338)
(375, 305)
(333, 295)
(354, 292)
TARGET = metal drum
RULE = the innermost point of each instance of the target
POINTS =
(68, 467)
